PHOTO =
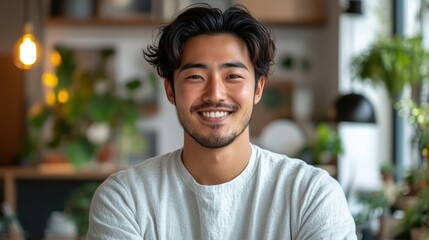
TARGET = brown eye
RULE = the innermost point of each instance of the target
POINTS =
(194, 77)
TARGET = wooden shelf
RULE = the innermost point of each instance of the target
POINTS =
(299, 13)
(104, 22)
(10, 176)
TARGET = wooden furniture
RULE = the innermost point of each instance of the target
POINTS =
(12, 110)
(11, 175)
(288, 12)
(34, 194)
(103, 13)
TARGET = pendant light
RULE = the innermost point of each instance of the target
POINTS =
(26, 52)
(353, 107)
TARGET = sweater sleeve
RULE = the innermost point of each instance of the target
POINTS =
(325, 214)
(111, 213)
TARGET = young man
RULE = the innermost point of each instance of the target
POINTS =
(219, 185)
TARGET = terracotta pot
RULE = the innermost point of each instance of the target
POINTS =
(421, 233)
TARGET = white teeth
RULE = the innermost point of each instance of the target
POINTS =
(214, 114)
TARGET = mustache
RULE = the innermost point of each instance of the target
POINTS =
(199, 107)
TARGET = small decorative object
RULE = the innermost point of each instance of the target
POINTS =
(79, 9)
(60, 226)
(125, 8)
(77, 206)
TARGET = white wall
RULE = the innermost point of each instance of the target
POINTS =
(366, 146)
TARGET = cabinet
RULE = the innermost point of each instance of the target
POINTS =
(11, 105)
(287, 12)
(33, 194)
(144, 12)
(103, 12)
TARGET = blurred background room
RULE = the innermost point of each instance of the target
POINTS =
(349, 93)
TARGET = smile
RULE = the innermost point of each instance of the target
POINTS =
(217, 114)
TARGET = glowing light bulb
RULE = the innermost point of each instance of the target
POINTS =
(55, 59)
(26, 49)
(50, 79)
(63, 96)
(50, 98)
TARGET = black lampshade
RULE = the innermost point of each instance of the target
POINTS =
(354, 108)
(354, 7)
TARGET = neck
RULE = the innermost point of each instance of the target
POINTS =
(212, 166)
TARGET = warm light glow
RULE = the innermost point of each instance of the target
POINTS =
(28, 50)
(49, 79)
(63, 96)
(50, 98)
(35, 109)
(55, 59)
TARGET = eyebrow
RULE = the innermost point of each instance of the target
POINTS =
(203, 66)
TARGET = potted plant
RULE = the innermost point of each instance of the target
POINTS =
(82, 111)
(324, 148)
(372, 205)
(416, 217)
(77, 206)
(392, 62)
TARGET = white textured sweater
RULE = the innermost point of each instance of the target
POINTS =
(275, 197)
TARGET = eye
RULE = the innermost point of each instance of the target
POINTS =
(194, 77)
(234, 76)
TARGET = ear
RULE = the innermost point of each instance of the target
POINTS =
(169, 92)
(259, 89)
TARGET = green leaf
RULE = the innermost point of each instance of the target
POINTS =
(133, 84)
(79, 152)
(39, 118)
(103, 108)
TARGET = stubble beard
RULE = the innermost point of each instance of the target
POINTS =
(216, 140)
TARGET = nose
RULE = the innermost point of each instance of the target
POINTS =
(215, 90)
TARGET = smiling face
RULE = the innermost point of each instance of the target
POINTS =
(214, 89)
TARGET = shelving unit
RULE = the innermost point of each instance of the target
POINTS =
(272, 12)
(103, 22)
(33, 194)
(12, 175)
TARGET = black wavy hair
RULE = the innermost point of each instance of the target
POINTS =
(203, 19)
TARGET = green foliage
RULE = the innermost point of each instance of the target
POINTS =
(326, 145)
(417, 215)
(392, 62)
(78, 203)
(387, 168)
(91, 99)
(79, 151)
(371, 202)
(419, 118)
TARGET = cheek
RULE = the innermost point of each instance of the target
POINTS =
(243, 94)
(185, 96)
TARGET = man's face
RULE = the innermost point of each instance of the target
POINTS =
(214, 89)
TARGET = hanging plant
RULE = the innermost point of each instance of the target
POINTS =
(393, 62)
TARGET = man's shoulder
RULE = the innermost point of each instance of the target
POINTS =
(267, 157)
(289, 169)
(150, 167)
